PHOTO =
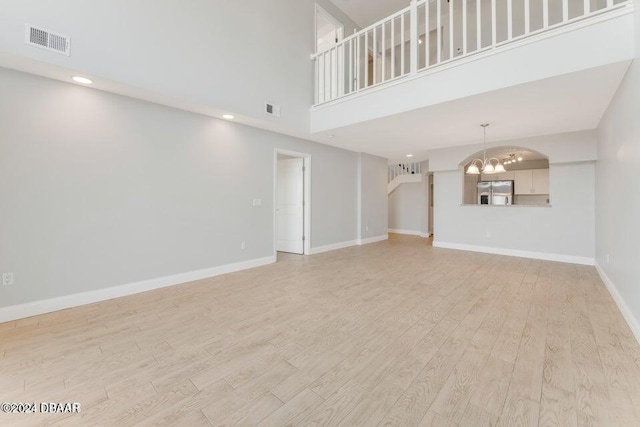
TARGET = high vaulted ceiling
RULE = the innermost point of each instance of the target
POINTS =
(367, 12)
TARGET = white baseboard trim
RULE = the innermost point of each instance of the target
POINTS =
(333, 247)
(571, 259)
(408, 232)
(34, 308)
(342, 245)
(620, 302)
(373, 239)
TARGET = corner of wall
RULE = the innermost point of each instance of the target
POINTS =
(628, 315)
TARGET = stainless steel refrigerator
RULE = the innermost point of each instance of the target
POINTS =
(495, 192)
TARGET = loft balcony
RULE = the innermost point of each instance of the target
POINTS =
(435, 51)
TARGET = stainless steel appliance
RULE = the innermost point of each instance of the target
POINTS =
(495, 192)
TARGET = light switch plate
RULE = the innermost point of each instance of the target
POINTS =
(257, 202)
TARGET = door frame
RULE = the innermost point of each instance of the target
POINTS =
(321, 11)
(430, 177)
(306, 195)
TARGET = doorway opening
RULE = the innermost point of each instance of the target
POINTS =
(292, 202)
(430, 187)
(329, 31)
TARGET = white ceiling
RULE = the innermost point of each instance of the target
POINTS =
(367, 12)
(503, 153)
(565, 103)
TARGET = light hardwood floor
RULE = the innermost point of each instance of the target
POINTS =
(391, 333)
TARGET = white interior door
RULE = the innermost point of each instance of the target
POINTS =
(290, 206)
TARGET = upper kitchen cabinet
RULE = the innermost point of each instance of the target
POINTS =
(502, 176)
(535, 181)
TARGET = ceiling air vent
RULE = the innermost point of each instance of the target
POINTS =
(48, 40)
(272, 109)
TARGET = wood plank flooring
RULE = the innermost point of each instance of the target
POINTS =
(391, 333)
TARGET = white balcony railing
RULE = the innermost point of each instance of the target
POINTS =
(400, 169)
(430, 33)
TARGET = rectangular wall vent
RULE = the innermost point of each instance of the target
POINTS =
(48, 40)
(272, 109)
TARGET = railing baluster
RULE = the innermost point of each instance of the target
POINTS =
(494, 24)
(325, 74)
(336, 74)
(545, 13)
(356, 67)
(341, 64)
(451, 29)
(331, 66)
(393, 48)
(587, 7)
(403, 41)
(316, 89)
(337, 66)
(427, 35)
(565, 10)
(384, 53)
(321, 78)
(464, 27)
(351, 66)
(527, 17)
(413, 17)
(509, 19)
(375, 54)
(479, 25)
(439, 31)
(366, 59)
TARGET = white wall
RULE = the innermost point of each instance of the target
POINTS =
(566, 229)
(618, 191)
(407, 207)
(560, 148)
(101, 190)
(228, 55)
(373, 196)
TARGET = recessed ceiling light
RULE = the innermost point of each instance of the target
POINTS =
(228, 116)
(331, 135)
(82, 80)
(419, 41)
(409, 155)
(520, 158)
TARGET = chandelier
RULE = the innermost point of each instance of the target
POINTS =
(513, 158)
(485, 165)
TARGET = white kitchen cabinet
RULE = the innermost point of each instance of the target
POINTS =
(540, 181)
(523, 182)
(534, 181)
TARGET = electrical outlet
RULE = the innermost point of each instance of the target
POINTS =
(488, 234)
(7, 279)
(257, 202)
(243, 245)
(366, 228)
(607, 258)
